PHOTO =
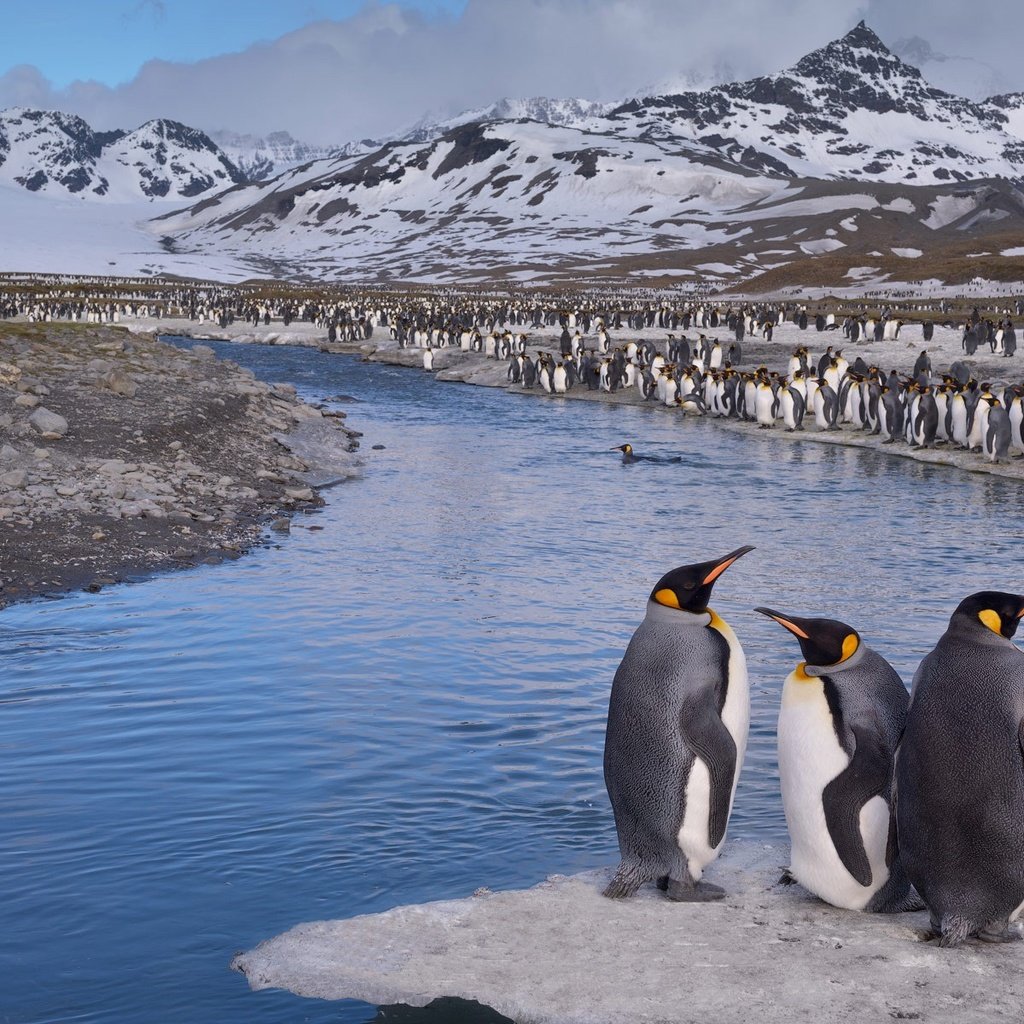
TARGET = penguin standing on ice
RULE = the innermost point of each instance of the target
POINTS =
(842, 713)
(676, 736)
(959, 774)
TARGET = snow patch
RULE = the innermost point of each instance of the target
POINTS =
(947, 209)
(818, 246)
(907, 254)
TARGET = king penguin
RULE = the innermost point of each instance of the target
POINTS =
(842, 714)
(960, 774)
(676, 736)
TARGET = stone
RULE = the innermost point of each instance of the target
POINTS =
(281, 525)
(50, 424)
(204, 353)
(8, 454)
(299, 493)
(14, 478)
(120, 383)
(26, 401)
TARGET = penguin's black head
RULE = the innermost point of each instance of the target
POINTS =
(824, 642)
(688, 588)
(626, 449)
(995, 610)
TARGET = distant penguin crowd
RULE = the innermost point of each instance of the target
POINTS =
(701, 377)
(893, 801)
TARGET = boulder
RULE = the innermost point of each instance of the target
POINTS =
(48, 423)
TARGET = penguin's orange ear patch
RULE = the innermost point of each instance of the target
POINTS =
(667, 598)
(991, 619)
(850, 645)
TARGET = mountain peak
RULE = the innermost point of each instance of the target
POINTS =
(864, 38)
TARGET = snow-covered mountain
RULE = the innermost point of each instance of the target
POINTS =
(59, 155)
(261, 157)
(850, 110)
(849, 158)
(850, 151)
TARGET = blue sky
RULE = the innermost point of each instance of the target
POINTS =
(331, 71)
(108, 40)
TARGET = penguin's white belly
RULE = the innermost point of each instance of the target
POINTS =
(693, 835)
(810, 757)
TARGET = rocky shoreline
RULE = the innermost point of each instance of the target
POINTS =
(121, 455)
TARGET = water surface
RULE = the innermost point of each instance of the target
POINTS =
(409, 703)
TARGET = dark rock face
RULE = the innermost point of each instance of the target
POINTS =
(469, 145)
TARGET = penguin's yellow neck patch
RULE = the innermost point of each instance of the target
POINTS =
(717, 622)
(991, 619)
(667, 598)
(800, 674)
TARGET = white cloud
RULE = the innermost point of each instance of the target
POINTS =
(384, 68)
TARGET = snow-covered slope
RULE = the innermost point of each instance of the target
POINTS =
(522, 200)
(850, 110)
(60, 155)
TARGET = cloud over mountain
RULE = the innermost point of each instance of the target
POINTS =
(386, 67)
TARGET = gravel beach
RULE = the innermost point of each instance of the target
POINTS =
(121, 455)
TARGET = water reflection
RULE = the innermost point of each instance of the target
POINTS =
(410, 703)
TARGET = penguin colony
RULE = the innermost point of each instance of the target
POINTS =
(893, 801)
(699, 379)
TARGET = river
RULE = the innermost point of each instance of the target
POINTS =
(404, 699)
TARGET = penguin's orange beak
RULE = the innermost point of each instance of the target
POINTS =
(784, 623)
(724, 564)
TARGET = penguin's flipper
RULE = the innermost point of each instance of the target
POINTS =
(706, 735)
(868, 774)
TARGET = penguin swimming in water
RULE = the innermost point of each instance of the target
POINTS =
(676, 736)
(629, 456)
(959, 775)
(842, 713)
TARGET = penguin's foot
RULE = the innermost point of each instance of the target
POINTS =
(953, 931)
(1000, 931)
(624, 884)
(699, 892)
(787, 878)
(892, 440)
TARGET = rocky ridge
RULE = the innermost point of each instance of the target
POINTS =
(60, 155)
(120, 454)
